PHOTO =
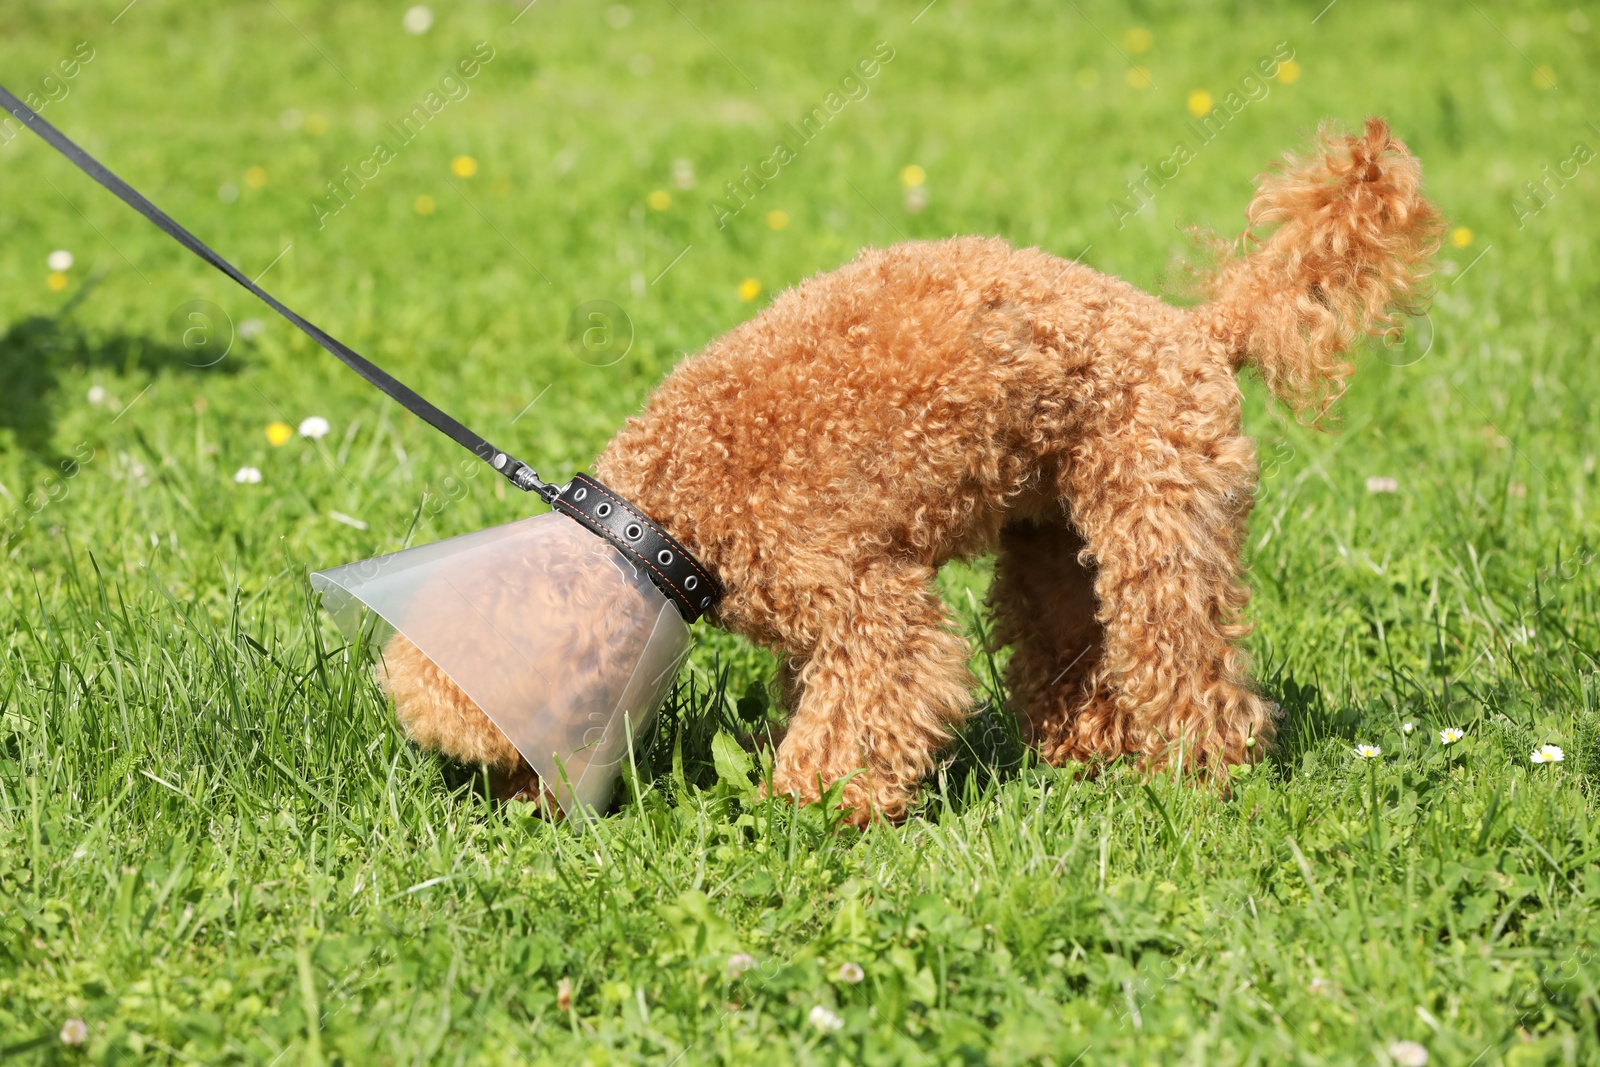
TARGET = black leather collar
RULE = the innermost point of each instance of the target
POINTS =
(667, 564)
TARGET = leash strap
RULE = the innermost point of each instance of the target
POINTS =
(670, 566)
(518, 473)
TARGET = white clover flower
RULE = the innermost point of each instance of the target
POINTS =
(1368, 751)
(825, 1020)
(74, 1032)
(247, 476)
(315, 427)
(1450, 735)
(1548, 754)
(98, 394)
(1382, 485)
(417, 20)
(59, 260)
(1409, 727)
(1408, 1054)
(740, 962)
(851, 972)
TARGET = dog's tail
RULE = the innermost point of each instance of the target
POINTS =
(1349, 252)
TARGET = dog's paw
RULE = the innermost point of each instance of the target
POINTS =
(867, 805)
(861, 804)
(521, 784)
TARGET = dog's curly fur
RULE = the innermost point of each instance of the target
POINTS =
(943, 399)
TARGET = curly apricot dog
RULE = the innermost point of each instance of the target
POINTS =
(937, 400)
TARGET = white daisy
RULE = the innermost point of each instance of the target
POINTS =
(315, 427)
(247, 475)
(1409, 727)
(1368, 751)
(1408, 1054)
(74, 1032)
(1450, 735)
(851, 972)
(418, 19)
(1548, 754)
(60, 260)
(825, 1020)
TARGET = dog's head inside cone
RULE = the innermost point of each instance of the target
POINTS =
(540, 627)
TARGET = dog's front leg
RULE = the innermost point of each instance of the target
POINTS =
(877, 693)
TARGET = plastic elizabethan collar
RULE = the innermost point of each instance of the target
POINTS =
(565, 645)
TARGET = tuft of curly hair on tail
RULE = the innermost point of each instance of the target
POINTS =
(1349, 253)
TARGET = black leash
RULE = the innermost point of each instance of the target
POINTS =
(667, 563)
(517, 472)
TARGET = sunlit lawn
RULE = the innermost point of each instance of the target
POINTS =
(216, 846)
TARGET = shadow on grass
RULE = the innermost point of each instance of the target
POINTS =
(984, 754)
(987, 753)
(699, 707)
(37, 352)
(1308, 722)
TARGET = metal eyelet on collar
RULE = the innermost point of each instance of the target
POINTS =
(669, 566)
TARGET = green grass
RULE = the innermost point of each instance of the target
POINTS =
(215, 846)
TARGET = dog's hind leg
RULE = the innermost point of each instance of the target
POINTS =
(1044, 608)
(1164, 526)
(881, 685)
